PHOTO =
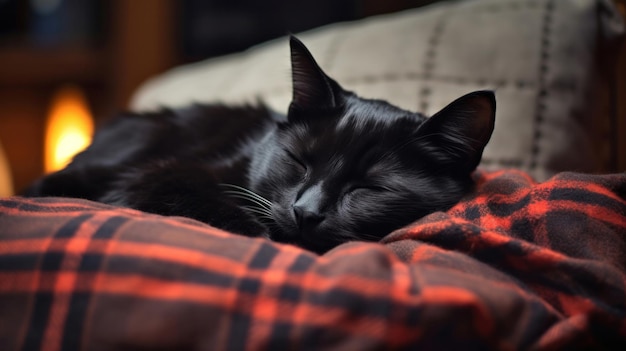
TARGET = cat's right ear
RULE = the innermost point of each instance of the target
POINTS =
(312, 88)
(458, 133)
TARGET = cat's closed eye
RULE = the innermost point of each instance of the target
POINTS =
(297, 161)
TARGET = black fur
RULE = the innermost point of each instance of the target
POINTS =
(336, 168)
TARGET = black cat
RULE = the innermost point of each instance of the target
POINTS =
(336, 168)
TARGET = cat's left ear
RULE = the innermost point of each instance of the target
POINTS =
(312, 88)
(458, 134)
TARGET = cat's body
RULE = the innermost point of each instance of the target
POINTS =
(336, 168)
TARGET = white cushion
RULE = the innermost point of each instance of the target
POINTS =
(538, 55)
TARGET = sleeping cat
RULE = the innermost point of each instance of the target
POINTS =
(336, 168)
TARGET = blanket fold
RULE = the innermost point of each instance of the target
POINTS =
(516, 265)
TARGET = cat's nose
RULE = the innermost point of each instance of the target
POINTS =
(307, 208)
(305, 218)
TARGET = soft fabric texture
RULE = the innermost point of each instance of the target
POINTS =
(541, 57)
(517, 265)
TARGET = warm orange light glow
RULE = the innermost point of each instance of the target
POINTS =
(6, 185)
(69, 128)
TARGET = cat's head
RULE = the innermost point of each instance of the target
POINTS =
(344, 168)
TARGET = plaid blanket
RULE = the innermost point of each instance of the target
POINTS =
(517, 265)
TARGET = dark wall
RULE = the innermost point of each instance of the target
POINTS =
(217, 27)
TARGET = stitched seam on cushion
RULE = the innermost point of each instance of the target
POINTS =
(412, 76)
(429, 60)
(510, 6)
(542, 92)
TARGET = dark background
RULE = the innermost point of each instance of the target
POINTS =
(109, 47)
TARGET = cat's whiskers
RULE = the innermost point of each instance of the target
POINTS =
(261, 213)
(256, 207)
(244, 196)
(246, 192)
(259, 206)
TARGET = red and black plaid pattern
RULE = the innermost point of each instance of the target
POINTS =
(517, 265)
